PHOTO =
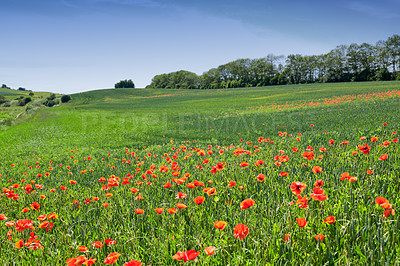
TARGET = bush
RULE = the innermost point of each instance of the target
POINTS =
(65, 98)
(125, 84)
(2, 99)
(21, 102)
(28, 99)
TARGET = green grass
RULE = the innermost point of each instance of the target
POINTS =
(108, 125)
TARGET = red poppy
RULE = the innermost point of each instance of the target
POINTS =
(133, 263)
(220, 225)
(24, 224)
(330, 220)
(97, 244)
(309, 155)
(181, 206)
(159, 210)
(260, 177)
(318, 194)
(247, 203)
(199, 200)
(110, 242)
(383, 157)
(209, 250)
(167, 185)
(112, 258)
(211, 191)
(35, 206)
(232, 184)
(244, 164)
(301, 222)
(319, 183)
(241, 231)
(186, 256)
(283, 174)
(3, 217)
(319, 237)
(297, 187)
(172, 210)
(317, 169)
(83, 249)
(139, 211)
(287, 237)
(180, 195)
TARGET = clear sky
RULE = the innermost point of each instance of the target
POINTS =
(70, 46)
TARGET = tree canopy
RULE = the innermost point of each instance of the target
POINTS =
(124, 84)
(354, 62)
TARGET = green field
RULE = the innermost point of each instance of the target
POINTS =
(127, 135)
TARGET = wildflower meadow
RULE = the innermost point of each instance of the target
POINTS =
(305, 174)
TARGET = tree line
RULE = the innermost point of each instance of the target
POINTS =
(345, 63)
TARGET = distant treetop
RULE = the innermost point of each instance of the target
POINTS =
(125, 84)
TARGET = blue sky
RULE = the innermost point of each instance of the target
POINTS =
(70, 46)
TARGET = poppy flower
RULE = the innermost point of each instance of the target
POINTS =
(232, 184)
(167, 185)
(383, 157)
(209, 250)
(241, 231)
(220, 225)
(112, 258)
(133, 263)
(186, 256)
(373, 139)
(330, 220)
(3, 217)
(318, 194)
(110, 242)
(25, 210)
(139, 211)
(83, 249)
(317, 169)
(172, 210)
(199, 200)
(319, 183)
(211, 191)
(133, 190)
(319, 237)
(297, 187)
(181, 206)
(180, 195)
(287, 237)
(19, 244)
(244, 164)
(97, 244)
(105, 205)
(159, 210)
(283, 174)
(301, 222)
(260, 177)
(247, 203)
(309, 155)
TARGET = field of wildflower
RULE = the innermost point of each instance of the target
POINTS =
(306, 174)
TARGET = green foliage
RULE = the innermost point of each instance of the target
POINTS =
(355, 62)
(65, 98)
(124, 84)
(176, 80)
(2, 99)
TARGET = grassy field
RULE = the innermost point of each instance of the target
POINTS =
(104, 163)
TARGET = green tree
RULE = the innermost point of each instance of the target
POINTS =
(124, 84)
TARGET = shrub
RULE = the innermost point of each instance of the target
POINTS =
(65, 98)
